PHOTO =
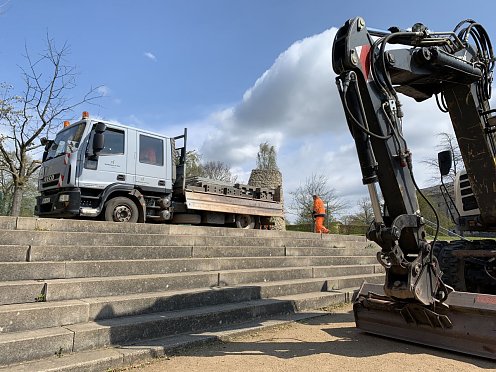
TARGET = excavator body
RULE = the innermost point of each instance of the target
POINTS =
(418, 301)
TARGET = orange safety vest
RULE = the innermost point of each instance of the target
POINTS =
(318, 207)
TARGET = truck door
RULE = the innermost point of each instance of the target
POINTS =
(112, 165)
(152, 162)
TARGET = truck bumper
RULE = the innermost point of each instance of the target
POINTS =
(65, 203)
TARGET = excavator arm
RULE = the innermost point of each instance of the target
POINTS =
(372, 68)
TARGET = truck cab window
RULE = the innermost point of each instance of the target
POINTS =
(66, 141)
(114, 142)
(151, 150)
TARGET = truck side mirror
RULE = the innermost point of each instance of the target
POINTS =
(444, 160)
(98, 138)
(98, 142)
(47, 143)
(100, 127)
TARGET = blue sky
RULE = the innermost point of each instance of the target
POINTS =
(236, 73)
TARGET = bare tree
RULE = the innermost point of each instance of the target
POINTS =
(7, 191)
(447, 142)
(267, 157)
(429, 215)
(215, 170)
(6, 188)
(193, 166)
(302, 201)
(218, 170)
(365, 216)
(24, 118)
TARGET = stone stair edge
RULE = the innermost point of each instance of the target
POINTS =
(74, 256)
(283, 236)
(68, 225)
(32, 247)
(180, 273)
(42, 315)
(151, 276)
(94, 335)
(202, 246)
(187, 291)
(121, 356)
(297, 286)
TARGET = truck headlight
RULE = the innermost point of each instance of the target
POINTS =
(64, 198)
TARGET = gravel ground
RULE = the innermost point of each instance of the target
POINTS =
(328, 343)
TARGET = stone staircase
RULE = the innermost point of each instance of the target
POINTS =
(91, 295)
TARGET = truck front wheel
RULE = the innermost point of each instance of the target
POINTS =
(121, 209)
(245, 221)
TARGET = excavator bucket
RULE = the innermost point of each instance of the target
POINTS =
(465, 323)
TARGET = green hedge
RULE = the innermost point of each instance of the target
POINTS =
(334, 228)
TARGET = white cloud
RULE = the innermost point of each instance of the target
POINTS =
(295, 106)
(151, 56)
(103, 90)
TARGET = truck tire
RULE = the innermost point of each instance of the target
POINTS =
(245, 221)
(121, 209)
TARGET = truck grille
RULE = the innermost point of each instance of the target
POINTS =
(51, 181)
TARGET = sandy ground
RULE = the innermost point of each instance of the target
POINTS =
(329, 343)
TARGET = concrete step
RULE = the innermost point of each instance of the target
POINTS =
(20, 317)
(30, 345)
(36, 253)
(354, 249)
(314, 300)
(118, 306)
(22, 237)
(38, 315)
(14, 253)
(75, 288)
(11, 271)
(131, 329)
(68, 289)
(70, 225)
(115, 358)
(22, 291)
(99, 252)
(8, 223)
(354, 281)
(23, 317)
(346, 270)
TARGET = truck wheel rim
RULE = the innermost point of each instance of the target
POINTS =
(122, 213)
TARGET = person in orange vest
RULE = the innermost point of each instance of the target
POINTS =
(319, 215)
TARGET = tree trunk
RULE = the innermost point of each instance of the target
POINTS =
(15, 210)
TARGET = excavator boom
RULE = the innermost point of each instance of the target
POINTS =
(415, 303)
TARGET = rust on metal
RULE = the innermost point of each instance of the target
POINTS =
(485, 299)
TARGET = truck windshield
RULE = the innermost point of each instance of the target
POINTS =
(66, 141)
